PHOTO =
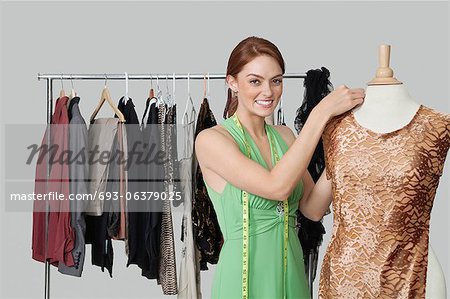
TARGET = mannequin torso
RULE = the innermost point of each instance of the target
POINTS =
(387, 108)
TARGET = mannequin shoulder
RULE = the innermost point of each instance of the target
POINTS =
(437, 117)
(286, 133)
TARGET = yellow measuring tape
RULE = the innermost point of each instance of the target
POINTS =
(245, 217)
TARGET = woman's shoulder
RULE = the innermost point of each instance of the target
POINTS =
(213, 140)
(216, 133)
(286, 133)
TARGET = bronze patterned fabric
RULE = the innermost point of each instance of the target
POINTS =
(207, 234)
(167, 267)
(383, 190)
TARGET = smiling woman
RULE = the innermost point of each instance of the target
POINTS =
(245, 52)
(256, 175)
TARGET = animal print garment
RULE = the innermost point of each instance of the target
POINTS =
(383, 190)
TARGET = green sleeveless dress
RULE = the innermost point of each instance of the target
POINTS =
(266, 236)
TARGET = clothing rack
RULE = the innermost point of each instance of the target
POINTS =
(171, 76)
(145, 76)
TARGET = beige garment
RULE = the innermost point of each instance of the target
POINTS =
(189, 275)
(100, 137)
(383, 186)
(123, 185)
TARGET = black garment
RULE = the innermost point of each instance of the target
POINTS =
(317, 86)
(100, 229)
(154, 174)
(280, 117)
(207, 234)
(112, 207)
(96, 234)
(137, 213)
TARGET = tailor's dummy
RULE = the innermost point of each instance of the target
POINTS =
(388, 100)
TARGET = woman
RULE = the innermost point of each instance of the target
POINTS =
(263, 259)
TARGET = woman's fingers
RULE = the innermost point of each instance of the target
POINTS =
(342, 99)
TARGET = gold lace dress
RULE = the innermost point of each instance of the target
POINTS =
(383, 186)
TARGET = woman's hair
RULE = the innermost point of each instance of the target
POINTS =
(247, 50)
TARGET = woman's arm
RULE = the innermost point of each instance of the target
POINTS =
(221, 155)
(216, 152)
(316, 198)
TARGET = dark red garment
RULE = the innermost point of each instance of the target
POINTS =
(61, 236)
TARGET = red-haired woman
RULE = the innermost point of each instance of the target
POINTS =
(256, 177)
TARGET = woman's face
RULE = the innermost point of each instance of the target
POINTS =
(259, 85)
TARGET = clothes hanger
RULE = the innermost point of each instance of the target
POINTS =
(204, 86)
(106, 96)
(153, 98)
(167, 96)
(159, 99)
(72, 92)
(151, 93)
(208, 95)
(280, 113)
(126, 98)
(62, 93)
(147, 103)
(187, 103)
(173, 90)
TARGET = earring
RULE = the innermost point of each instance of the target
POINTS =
(235, 93)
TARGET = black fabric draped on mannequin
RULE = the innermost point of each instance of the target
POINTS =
(317, 86)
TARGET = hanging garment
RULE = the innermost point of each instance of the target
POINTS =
(173, 166)
(137, 213)
(280, 117)
(167, 267)
(78, 173)
(317, 86)
(101, 136)
(189, 277)
(101, 139)
(153, 174)
(265, 251)
(117, 187)
(118, 228)
(207, 234)
(384, 186)
(61, 236)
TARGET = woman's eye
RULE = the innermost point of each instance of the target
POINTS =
(254, 81)
(277, 81)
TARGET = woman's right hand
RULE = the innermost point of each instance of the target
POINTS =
(340, 100)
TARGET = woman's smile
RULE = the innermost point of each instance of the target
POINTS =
(266, 104)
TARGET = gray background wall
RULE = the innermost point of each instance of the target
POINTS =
(196, 37)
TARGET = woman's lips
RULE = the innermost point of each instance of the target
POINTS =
(264, 103)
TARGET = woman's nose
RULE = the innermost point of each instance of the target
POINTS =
(267, 90)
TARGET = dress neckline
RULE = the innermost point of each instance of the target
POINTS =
(380, 134)
(257, 148)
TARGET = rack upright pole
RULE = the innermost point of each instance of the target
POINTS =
(47, 207)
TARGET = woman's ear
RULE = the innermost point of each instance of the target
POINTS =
(232, 83)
